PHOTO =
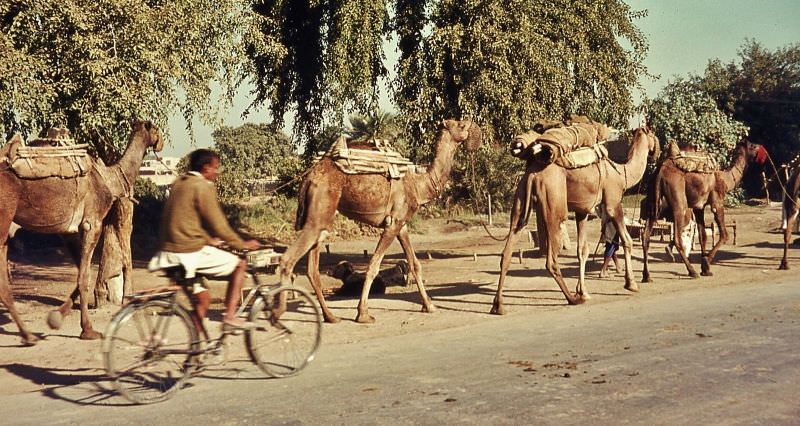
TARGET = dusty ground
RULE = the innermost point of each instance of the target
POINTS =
(460, 268)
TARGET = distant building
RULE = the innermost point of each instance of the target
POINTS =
(161, 172)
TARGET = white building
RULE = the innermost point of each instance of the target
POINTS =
(162, 172)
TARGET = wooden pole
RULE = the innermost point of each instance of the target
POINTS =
(490, 208)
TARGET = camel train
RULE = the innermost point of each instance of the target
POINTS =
(371, 184)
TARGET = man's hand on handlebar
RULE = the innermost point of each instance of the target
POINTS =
(252, 245)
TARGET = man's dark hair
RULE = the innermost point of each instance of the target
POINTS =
(200, 157)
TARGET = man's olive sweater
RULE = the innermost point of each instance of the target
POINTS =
(192, 216)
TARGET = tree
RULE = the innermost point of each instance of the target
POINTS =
(761, 90)
(503, 63)
(686, 114)
(509, 63)
(251, 152)
(93, 65)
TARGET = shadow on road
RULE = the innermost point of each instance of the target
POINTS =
(71, 385)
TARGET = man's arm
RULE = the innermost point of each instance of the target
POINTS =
(213, 217)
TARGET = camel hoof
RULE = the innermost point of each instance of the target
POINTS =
(632, 287)
(91, 335)
(784, 266)
(577, 301)
(646, 280)
(365, 319)
(29, 340)
(707, 274)
(332, 319)
(428, 309)
(498, 310)
(693, 275)
(55, 320)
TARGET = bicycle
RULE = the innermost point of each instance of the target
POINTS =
(151, 346)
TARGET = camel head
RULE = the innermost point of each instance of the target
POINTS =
(150, 132)
(754, 152)
(653, 144)
(464, 131)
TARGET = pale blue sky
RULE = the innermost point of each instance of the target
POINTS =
(683, 36)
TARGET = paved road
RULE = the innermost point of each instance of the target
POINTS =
(723, 355)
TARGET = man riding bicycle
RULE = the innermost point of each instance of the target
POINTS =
(192, 225)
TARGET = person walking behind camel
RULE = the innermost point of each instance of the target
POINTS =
(611, 240)
(192, 225)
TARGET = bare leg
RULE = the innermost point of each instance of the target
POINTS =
(416, 269)
(234, 291)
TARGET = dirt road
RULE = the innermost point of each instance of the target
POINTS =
(721, 349)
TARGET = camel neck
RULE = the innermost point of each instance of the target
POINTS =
(637, 159)
(438, 174)
(127, 168)
(734, 174)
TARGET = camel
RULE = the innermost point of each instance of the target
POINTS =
(791, 201)
(375, 200)
(687, 193)
(74, 206)
(556, 190)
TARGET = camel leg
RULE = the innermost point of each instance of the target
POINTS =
(389, 233)
(316, 283)
(583, 255)
(719, 219)
(516, 225)
(680, 221)
(416, 269)
(505, 261)
(552, 219)
(705, 266)
(309, 237)
(618, 219)
(646, 232)
(791, 219)
(28, 339)
(90, 239)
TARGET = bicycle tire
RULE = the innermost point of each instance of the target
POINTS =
(137, 350)
(283, 345)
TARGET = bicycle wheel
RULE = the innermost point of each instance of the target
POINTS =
(283, 343)
(149, 350)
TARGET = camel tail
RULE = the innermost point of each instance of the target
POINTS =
(300, 217)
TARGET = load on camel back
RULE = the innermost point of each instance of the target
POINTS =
(690, 160)
(573, 143)
(54, 155)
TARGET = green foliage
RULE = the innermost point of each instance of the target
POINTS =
(146, 216)
(318, 58)
(684, 113)
(508, 63)
(762, 91)
(503, 63)
(92, 65)
(251, 152)
(489, 171)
